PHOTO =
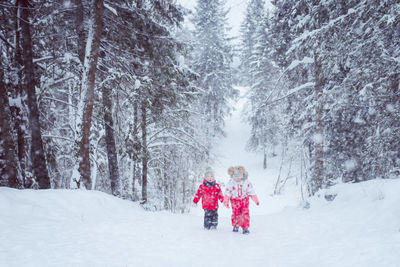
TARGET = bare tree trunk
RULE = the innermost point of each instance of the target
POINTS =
(88, 84)
(165, 185)
(79, 28)
(278, 180)
(144, 153)
(9, 166)
(16, 111)
(110, 141)
(135, 147)
(318, 176)
(185, 176)
(37, 151)
(265, 160)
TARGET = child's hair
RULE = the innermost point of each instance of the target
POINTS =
(209, 171)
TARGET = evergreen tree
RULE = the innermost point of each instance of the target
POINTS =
(249, 30)
(335, 84)
(143, 105)
(212, 62)
(263, 118)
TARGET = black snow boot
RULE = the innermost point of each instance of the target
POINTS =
(246, 231)
(235, 229)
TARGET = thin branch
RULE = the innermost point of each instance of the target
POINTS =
(6, 42)
(57, 137)
(8, 6)
(59, 101)
(37, 60)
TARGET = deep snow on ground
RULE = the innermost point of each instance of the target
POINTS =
(360, 228)
(88, 228)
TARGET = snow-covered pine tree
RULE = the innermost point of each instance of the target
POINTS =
(141, 61)
(212, 60)
(156, 90)
(337, 89)
(306, 75)
(249, 30)
(263, 116)
(369, 86)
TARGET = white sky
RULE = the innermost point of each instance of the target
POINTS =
(235, 15)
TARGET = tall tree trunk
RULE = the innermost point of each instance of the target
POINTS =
(9, 166)
(80, 29)
(265, 159)
(318, 176)
(37, 151)
(110, 141)
(136, 149)
(144, 152)
(88, 84)
(165, 185)
(17, 112)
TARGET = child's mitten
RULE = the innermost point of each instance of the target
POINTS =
(255, 199)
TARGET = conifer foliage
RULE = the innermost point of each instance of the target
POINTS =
(212, 59)
(104, 91)
(336, 92)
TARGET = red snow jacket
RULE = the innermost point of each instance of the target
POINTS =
(209, 193)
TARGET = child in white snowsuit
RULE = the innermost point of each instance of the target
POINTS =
(237, 192)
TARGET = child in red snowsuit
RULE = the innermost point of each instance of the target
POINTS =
(238, 191)
(209, 192)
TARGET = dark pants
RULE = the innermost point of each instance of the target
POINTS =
(210, 219)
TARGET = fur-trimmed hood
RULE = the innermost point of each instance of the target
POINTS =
(238, 171)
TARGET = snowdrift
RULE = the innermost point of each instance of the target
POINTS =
(360, 227)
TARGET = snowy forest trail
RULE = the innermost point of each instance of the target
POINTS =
(231, 151)
(89, 228)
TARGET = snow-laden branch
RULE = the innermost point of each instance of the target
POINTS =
(56, 82)
(15, 6)
(291, 92)
(389, 57)
(57, 137)
(111, 9)
(155, 137)
(295, 63)
(294, 91)
(74, 106)
(58, 100)
(306, 35)
(37, 60)
(182, 142)
(6, 42)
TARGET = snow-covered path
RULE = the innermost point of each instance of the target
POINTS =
(231, 151)
(78, 228)
(88, 228)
